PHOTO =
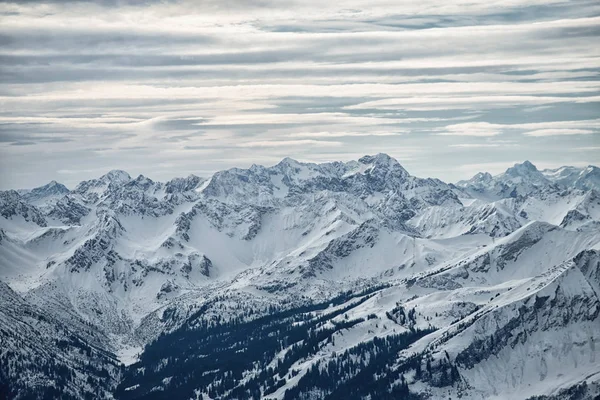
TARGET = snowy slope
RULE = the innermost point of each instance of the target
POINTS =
(44, 358)
(125, 260)
(582, 178)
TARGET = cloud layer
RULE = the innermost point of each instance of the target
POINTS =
(171, 88)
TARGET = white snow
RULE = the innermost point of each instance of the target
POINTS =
(459, 257)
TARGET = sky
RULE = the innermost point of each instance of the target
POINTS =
(169, 88)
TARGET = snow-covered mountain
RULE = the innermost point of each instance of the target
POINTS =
(268, 282)
(581, 178)
(44, 195)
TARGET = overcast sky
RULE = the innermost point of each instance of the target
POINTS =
(447, 87)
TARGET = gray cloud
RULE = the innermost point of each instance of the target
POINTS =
(194, 87)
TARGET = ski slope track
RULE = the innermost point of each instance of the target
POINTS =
(303, 281)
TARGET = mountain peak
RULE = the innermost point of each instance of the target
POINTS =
(483, 176)
(480, 177)
(288, 161)
(524, 169)
(50, 191)
(382, 160)
(183, 184)
(527, 164)
(52, 186)
(379, 157)
(141, 181)
(116, 175)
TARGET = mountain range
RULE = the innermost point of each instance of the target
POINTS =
(341, 280)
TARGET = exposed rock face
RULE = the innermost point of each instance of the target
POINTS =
(12, 205)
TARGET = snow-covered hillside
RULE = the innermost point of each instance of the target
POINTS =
(484, 289)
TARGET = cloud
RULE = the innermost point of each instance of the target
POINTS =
(200, 86)
(558, 132)
(342, 134)
(484, 102)
(474, 145)
(586, 148)
(551, 128)
(480, 129)
(289, 143)
(22, 143)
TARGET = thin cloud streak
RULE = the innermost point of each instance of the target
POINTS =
(558, 132)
